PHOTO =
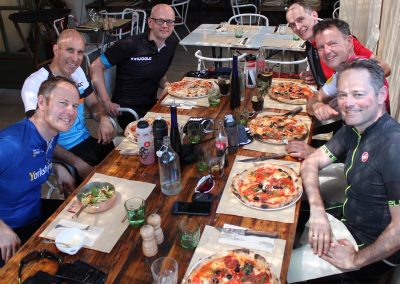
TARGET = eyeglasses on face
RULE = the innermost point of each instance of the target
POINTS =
(161, 22)
(36, 255)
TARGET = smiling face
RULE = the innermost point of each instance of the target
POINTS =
(60, 107)
(161, 32)
(333, 47)
(358, 101)
(301, 21)
(68, 53)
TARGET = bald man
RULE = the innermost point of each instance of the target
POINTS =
(142, 62)
(75, 147)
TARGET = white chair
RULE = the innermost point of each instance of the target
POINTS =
(240, 8)
(201, 59)
(59, 25)
(335, 13)
(249, 19)
(282, 62)
(140, 23)
(181, 8)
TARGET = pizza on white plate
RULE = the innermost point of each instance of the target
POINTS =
(291, 93)
(198, 88)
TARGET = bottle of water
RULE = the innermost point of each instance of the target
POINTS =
(170, 169)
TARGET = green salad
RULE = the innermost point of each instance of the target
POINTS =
(97, 195)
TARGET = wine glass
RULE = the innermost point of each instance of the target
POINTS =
(94, 16)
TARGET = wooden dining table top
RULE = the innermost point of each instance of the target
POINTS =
(126, 262)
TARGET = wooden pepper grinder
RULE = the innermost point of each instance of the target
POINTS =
(149, 244)
(155, 220)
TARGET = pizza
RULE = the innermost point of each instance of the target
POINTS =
(234, 266)
(130, 130)
(277, 129)
(291, 93)
(267, 186)
(191, 88)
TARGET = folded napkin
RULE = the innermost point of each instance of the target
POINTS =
(181, 103)
(91, 232)
(251, 242)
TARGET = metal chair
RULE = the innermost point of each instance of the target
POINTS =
(181, 8)
(282, 62)
(239, 8)
(335, 13)
(201, 59)
(127, 13)
(249, 19)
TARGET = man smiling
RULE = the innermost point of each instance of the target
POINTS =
(369, 141)
(142, 62)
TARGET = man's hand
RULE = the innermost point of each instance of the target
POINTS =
(341, 254)
(299, 149)
(9, 242)
(65, 181)
(111, 108)
(308, 77)
(323, 111)
(320, 231)
(106, 131)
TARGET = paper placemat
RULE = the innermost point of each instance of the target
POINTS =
(229, 204)
(272, 148)
(209, 245)
(111, 219)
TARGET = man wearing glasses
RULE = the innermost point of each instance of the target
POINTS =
(142, 62)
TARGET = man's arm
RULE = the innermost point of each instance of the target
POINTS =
(106, 131)
(320, 230)
(318, 106)
(9, 241)
(383, 64)
(97, 72)
(66, 156)
(163, 85)
(343, 255)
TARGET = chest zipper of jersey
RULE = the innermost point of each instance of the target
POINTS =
(349, 168)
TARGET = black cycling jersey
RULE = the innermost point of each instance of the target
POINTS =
(372, 171)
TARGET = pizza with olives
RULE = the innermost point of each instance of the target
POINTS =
(234, 266)
(291, 93)
(267, 186)
(277, 129)
(191, 88)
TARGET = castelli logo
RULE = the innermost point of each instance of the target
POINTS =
(364, 157)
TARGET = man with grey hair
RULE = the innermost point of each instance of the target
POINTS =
(369, 141)
(142, 62)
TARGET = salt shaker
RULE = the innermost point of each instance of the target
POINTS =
(149, 244)
(155, 220)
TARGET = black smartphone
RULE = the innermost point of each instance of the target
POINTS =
(195, 208)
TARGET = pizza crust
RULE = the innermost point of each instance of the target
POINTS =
(261, 187)
(191, 88)
(206, 268)
(291, 93)
(277, 128)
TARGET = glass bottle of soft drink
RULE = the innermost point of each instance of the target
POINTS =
(261, 61)
(221, 142)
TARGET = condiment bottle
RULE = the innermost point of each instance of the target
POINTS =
(232, 132)
(235, 85)
(149, 244)
(250, 71)
(145, 142)
(160, 129)
(170, 169)
(155, 220)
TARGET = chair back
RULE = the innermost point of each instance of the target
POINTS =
(335, 13)
(249, 19)
(59, 24)
(181, 8)
(201, 59)
(241, 8)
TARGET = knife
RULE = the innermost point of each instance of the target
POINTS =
(265, 157)
(294, 111)
(245, 40)
(248, 232)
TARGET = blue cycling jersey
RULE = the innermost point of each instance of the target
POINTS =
(25, 164)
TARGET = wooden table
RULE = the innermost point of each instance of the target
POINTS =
(126, 263)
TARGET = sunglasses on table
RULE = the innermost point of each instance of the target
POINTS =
(161, 22)
(36, 255)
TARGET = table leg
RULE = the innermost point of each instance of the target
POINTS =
(25, 43)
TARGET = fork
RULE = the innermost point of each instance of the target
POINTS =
(86, 228)
(54, 242)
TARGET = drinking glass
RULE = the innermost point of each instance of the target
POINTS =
(201, 158)
(216, 166)
(194, 132)
(214, 98)
(224, 83)
(257, 102)
(189, 233)
(165, 270)
(239, 31)
(135, 211)
(282, 29)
